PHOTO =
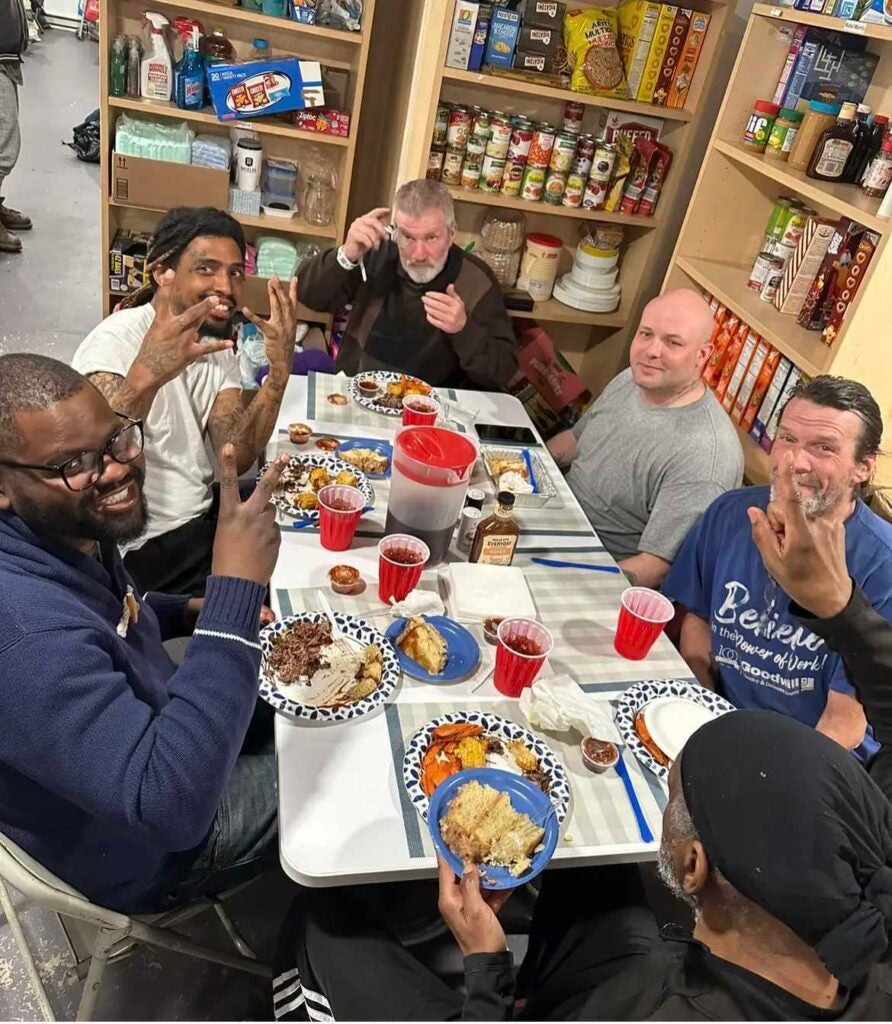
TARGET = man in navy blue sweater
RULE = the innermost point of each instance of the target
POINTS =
(118, 771)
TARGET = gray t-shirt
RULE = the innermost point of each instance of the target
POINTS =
(643, 474)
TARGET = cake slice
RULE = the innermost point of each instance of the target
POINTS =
(421, 642)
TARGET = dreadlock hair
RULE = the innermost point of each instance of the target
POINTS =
(31, 382)
(173, 234)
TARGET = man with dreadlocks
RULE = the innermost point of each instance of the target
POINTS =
(167, 358)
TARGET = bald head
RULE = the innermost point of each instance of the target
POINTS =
(671, 345)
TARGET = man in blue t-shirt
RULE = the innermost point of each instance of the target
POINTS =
(738, 635)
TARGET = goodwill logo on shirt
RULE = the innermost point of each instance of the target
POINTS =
(771, 652)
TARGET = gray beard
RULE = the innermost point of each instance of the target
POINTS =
(666, 871)
(424, 275)
(818, 504)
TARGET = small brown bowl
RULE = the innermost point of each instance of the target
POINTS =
(368, 388)
(599, 755)
(344, 579)
(327, 444)
(491, 629)
(299, 433)
(337, 399)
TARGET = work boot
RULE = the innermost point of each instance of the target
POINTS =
(8, 241)
(12, 220)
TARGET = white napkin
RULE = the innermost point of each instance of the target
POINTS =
(559, 703)
(418, 602)
(476, 591)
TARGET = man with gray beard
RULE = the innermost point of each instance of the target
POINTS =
(421, 305)
(739, 635)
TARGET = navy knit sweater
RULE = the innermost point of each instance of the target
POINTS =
(112, 760)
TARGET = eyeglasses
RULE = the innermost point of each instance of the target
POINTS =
(81, 472)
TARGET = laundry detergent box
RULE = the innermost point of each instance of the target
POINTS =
(265, 87)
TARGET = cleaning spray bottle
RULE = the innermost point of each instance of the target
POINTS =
(188, 75)
(156, 70)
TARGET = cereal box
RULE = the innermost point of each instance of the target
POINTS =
(778, 380)
(656, 53)
(677, 35)
(749, 381)
(687, 64)
(637, 23)
(760, 389)
(503, 33)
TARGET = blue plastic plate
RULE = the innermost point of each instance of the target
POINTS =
(381, 447)
(462, 651)
(525, 796)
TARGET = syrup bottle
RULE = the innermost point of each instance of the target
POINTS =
(497, 535)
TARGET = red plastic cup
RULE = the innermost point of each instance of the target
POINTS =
(642, 617)
(340, 509)
(420, 410)
(401, 560)
(516, 670)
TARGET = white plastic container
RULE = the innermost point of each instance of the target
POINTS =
(597, 279)
(539, 266)
(156, 67)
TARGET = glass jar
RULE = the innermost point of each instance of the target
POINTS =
(502, 236)
(818, 118)
(319, 200)
(783, 134)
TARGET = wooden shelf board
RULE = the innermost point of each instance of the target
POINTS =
(789, 14)
(499, 84)
(844, 200)
(479, 198)
(287, 225)
(208, 117)
(557, 312)
(258, 21)
(727, 282)
(756, 461)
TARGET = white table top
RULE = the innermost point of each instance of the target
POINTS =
(342, 813)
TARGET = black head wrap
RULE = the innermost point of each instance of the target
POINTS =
(795, 824)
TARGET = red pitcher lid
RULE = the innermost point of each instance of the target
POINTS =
(437, 447)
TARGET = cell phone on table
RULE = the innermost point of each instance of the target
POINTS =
(497, 432)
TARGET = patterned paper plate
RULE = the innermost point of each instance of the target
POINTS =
(383, 377)
(354, 629)
(494, 725)
(638, 696)
(333, 465)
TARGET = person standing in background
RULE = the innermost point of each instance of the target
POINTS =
(13, 43)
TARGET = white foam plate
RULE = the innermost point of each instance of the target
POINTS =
(591, 305)
(671, 721)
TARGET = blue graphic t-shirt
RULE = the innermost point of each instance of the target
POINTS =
(765, 656)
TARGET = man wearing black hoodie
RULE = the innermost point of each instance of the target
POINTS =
(13, 43)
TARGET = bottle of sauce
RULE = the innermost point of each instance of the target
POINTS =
(862, 141)
(497, 535)
(834, 147)
(878, 128)
(878, 176)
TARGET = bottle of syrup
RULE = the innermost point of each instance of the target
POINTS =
(497, 535)
(833, 148)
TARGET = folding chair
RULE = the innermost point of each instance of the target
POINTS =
(114, 934)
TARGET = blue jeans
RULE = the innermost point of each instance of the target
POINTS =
(243, 838)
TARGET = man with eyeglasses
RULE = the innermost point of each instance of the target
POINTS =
(119, 772)
(421, 305)
(740, 635)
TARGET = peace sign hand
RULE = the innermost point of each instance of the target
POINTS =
(246, 544)
(280, 329)
(173, 341)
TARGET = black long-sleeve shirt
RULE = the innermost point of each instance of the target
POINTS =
(389, 330)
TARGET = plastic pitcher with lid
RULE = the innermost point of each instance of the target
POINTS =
(429, 477)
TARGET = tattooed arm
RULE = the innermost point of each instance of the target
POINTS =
(131, 395)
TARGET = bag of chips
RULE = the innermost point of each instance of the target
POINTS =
(590, 38)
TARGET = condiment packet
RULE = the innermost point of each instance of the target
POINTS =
(558, 703)
(419, 602)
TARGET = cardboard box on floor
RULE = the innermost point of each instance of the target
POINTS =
(159, 185)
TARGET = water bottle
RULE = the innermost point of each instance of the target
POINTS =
(117, 67)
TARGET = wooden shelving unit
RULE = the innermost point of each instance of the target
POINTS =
(575, 332)
(344, 53)
(720, 239)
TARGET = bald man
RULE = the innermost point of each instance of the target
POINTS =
(656, 448)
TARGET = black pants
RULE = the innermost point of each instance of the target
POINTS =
(337, 956)
(177, 562)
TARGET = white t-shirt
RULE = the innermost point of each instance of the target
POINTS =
(179, 471)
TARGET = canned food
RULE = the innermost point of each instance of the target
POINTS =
(573, 190)
(765, 263)
(500, 138)
(555, 183)
(563, 152)
(513, 176)
(573, 112)
(795, 225)
(541, 146)
(452, 165)
(532, 183)
(435, 162)
(772, 283)
(491, 173)
(521, 138)
(458, 127)
(471, 168)
(779, 217)
(585, 154)
(480, 125)
(441, 124)
(476, 144)
(603, 160)
(595, 194)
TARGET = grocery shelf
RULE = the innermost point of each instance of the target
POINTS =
(287, 225)
(499, 84)
(557, 312)
(756, 461)
(479, 198)
(727, 282)
(789, 14)
(843, 200)
(262, 127)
